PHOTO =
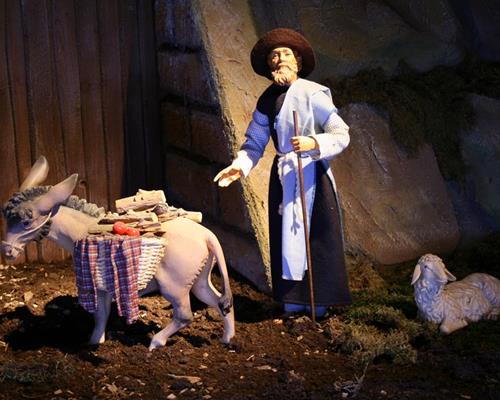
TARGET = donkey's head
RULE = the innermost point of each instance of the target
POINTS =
(29, 210)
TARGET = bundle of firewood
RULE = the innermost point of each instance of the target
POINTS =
(144, 214)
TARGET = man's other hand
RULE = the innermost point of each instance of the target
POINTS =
(303, 143)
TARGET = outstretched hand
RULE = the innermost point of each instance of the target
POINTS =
(228, 175)
(303, 143)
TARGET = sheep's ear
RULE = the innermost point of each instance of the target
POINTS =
(37, 174)
(416, 274)
(449, 275)
(57, 194)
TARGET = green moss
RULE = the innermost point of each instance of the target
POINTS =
(362, 273)
(384, 318)
(427, 107)
(370, 329)
(365, 343)
(382, 322)
(400, 298)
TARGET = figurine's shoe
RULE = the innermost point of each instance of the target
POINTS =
(320, 311)
(294, 308)
(291, 310)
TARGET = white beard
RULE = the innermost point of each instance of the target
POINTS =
(284, 75)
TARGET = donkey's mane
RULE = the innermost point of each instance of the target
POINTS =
(82, 205)
(12, 208)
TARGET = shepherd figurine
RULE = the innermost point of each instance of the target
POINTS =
(285, 57)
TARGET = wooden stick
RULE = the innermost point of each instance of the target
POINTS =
(142, 200)
(304, 215)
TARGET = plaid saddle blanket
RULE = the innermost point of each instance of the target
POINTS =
(110, 263)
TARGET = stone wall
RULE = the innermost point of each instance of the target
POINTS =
(198, 137)
(396, 207)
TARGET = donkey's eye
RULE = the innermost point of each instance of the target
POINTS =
(26, 222)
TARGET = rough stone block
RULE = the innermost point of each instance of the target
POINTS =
(479, 20)
(186, 31)
(365, 35)
(396, 206)
(175, 125)
(185, 75)
(242, 254)
(481, 153)
(163, 22)
(189, 184)
(175, 24)
(208, 137)
(233, 210)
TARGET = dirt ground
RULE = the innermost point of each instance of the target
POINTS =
(43, 353)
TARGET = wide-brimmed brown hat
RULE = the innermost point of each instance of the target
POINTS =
(282, 37)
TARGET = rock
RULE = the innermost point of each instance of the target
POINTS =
(192, 81)
(396, 206)
(191, 379)
(203, 65)
(229, 33)
(294, 376)
(180, 385)
(27, 296)
(479, 20)
(370, 34)
(175, 24)
(481, 153)
(475, 224)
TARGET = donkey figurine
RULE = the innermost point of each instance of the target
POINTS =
(38, 211)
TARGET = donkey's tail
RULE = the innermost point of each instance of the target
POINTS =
(226, 300)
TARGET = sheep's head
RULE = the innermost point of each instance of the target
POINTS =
(431, 267)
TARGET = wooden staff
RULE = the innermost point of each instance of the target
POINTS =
(304, 215)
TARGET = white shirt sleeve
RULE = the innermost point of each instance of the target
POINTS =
(257, 137)
(334, 137)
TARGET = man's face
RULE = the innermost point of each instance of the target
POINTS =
(282, 56)
(284, 65)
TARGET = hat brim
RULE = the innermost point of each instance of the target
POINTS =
(282, 37)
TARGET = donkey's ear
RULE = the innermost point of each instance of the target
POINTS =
(416, 274)
(37, 174)
(57, 194)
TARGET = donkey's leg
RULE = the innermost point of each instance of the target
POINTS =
(101, 317)
(204, 290)
(182, 317)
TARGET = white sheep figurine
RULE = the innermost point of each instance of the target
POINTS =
(475, 297)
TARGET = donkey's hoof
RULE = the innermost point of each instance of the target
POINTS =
(155, 344)
(97, 340)
(226, 339)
